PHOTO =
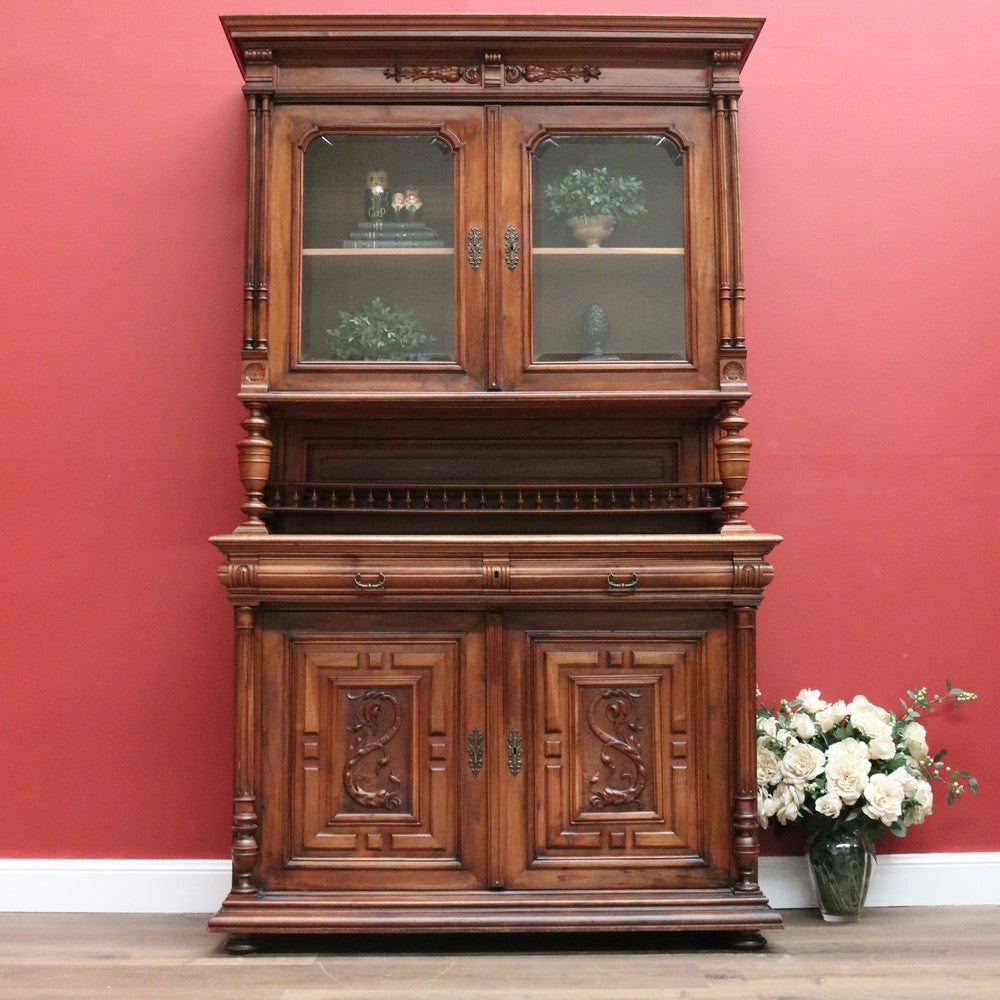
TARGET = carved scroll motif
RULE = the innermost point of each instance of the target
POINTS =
(367, 741)
(615, 706)
(442, 74)
(538, 74)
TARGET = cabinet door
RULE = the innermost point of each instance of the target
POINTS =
(377, 282)
(625, 778)
(613, 213)
(366, 777)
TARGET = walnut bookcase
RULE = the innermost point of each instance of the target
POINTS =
(494, 591)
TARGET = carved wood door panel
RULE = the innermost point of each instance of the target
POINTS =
(372, 713)
(626, 778)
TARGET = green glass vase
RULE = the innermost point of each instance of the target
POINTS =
(840, 865)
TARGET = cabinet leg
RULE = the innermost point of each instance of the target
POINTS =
(749, 941)
(241, 944)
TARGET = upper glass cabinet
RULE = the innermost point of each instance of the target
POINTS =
(443, 249)
(607, 249)
(378, 249)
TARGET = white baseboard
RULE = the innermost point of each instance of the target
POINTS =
(82, 885)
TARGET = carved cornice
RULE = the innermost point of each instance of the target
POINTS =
(258, 55)
(726, 56)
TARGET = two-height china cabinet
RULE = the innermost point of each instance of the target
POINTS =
(494, 592)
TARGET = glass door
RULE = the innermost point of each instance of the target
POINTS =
(383, 289)
(614, 290)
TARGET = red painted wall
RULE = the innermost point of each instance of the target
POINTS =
(870, 210)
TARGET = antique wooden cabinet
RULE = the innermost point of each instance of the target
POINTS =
(494, 592)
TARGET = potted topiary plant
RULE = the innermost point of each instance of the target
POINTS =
(379, 332)
(593, 201)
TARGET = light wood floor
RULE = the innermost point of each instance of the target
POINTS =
(909, 954)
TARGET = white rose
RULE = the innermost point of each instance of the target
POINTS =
(766, 807)
(768, 768)
(785, 738)
(832, 716)
(802, 763)
(849, 747)
(923, 803)
(767, 727)
(884, 798)
(829, 805)
(924, 796)
(847, 775)
(909, 783)
(810, 700)
(865, 721)
(861, 702)
(788, 799)
(803, 725)
(882, 748)
(914, 738)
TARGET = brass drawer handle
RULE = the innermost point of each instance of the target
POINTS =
(376, 584)
(630, 584)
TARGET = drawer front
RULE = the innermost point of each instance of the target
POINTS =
(613, 575)
(371, 575)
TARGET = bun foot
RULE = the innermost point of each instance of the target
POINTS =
(241, 944)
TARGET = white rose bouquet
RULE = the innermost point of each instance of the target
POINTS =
(852, 766)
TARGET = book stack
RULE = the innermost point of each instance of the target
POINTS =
(372, 235)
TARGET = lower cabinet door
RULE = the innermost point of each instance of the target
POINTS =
(624, 776)
(367, 777)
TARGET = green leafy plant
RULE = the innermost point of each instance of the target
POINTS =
(586, 194)
(830, 766)
(379, 332)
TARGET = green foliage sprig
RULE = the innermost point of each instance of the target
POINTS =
(378, 332)
(585, 194)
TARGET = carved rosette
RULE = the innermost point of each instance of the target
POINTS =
(367, 742)
(624, 770)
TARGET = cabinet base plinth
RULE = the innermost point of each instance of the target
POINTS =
(490, 912)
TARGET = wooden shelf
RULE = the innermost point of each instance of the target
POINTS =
(378, 252)
(606, 251)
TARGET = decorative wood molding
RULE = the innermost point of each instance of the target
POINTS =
(618, 705)
(367, 740)
(439, 74)
(491, 73)
(726, 57)
(539, 74)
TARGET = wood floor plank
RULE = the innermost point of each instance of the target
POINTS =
(945, 953)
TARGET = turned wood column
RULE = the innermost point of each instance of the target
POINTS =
(732, 451)
(255, 467)
(246, 850)
(745, 845)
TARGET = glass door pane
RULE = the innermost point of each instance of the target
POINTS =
(378, 259)
(608, 271)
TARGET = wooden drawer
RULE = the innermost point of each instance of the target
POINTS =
(371, 575)
(611, 576)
